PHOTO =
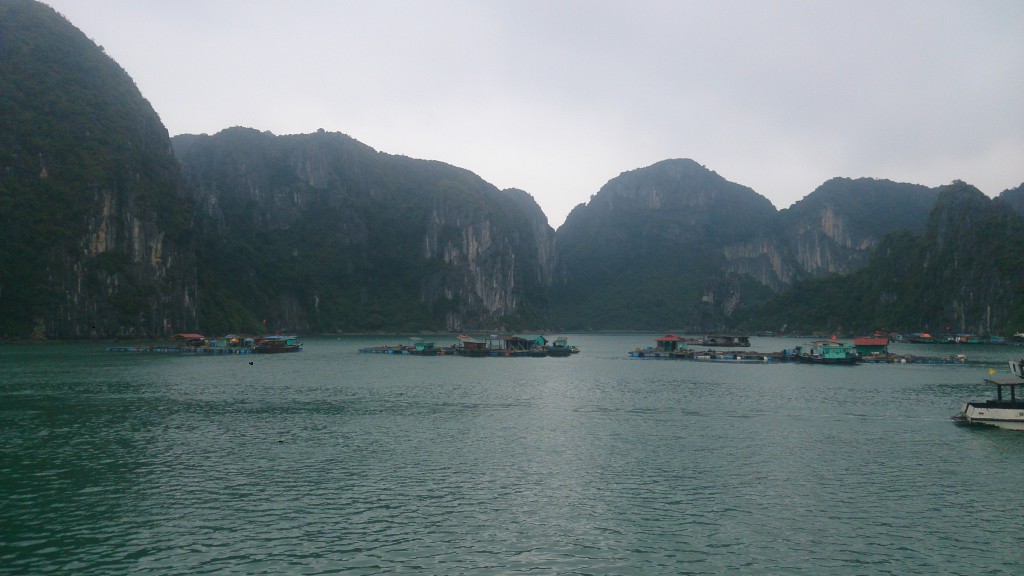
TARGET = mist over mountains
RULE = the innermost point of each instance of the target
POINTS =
(112, 229)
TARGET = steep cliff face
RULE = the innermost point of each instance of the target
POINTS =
(676, 242)
(370, 241)
(494, 267)
(831, 231)
(964, 274)
(93, 238)
(972, 258)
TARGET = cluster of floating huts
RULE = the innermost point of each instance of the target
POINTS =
(194, 343)
(871, 349)
(493, 346)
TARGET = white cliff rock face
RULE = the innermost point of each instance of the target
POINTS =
(312, 168)
(481, 265)
(123, 256)
(764, 260)
(822, 247)
(118, 227)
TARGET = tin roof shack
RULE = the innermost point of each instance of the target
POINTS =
(523, 343)
(524, 346)
(671, 343)
(192, 340)
(871, 345)
(469, 346)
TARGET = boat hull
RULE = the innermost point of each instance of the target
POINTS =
(819, 360)
(1009, 416)
(277, 349)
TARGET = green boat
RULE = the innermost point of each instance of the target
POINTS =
(828, 352)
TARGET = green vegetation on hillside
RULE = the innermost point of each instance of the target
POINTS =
(965, 274)
(77, 140)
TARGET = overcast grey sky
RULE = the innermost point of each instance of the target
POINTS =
(557, 97)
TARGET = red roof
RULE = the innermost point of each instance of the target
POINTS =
(670, 338)
(189, 337)
(869, 341)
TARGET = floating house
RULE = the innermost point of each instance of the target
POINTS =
(670, 343)
(664, 347)
(469, 346)
(828, 352)
(726, 340)
(523, 343)
(869, 345)
(192, 340)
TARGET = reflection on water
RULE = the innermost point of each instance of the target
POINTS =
(331, 461)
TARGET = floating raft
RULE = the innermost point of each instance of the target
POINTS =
(909, 359)
(713, 355)
(783, 356)
(182, 350)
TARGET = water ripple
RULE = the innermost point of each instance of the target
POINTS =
(333, 462)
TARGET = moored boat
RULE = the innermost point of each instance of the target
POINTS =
(277, 345)
(1007, 410)
(560, 348)
(421, 347)
(828, 352)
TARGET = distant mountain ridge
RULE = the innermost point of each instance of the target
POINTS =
(105, 233)
(963, 274)
(327, 234)
(675, 244)
(831, 231)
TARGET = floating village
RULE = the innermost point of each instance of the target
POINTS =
(1005, 411)
(712, 348)
(231, 344)
(493, 346)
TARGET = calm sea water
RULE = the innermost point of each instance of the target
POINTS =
(330, 461)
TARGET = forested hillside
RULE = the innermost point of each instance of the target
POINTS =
(93, 231)
(676, 245)
(321, 233)
(964, 274)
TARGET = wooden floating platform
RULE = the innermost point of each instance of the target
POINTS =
(183, 350)
(909, 359)
(713, 356)
(408, 350)
(784, 356)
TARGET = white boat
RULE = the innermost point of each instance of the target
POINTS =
(1007, 410)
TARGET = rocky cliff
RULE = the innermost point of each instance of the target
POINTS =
(677, 244)
(93, 237)
(319, 232)
(646, 251)
(104, 234)
(963, 274)
(833, 230)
